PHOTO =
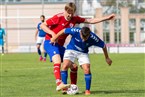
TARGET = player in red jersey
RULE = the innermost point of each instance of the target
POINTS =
(55, 24)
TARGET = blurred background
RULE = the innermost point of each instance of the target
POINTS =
(126, 34)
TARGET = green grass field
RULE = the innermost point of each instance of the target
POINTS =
(22, 75)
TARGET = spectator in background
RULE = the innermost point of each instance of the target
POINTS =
(39, 37)
(2, 38)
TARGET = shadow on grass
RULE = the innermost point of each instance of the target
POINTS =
(138, 92)
(117, 91)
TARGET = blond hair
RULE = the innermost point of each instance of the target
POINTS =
(70, 7)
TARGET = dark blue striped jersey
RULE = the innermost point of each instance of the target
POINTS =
(41, 33)
(76, 43)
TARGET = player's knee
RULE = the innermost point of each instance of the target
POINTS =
(74, 69)
(65, 66)
(87, 71)
(56, 59)
(38, 46)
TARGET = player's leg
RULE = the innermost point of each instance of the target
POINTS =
(38, 42)
(73, 66)
(67, 63)
(57, 59)
(88, 77)
(68, 60)
(2, 45)
(45, 55)
(54, 54)
(64, 73)
(64, 70)
(84, 61)
(39, 52)
(57, 64)
(2, 49)
(73, 73)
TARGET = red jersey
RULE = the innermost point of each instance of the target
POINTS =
(58, 22)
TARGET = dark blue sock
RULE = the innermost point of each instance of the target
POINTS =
(39, 51)
(2, 49)
(64, 76)
(45, 55)
(88, 78)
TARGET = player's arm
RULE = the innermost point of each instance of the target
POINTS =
(98, 20)
(98, 42)
(46, 29)
(108, 60)
(53, 39)
(36, 33)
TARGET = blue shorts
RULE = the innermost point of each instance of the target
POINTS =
(1, 42)
(52, 49)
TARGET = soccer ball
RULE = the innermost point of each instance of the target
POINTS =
(73, 89)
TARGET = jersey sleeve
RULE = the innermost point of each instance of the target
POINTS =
(38, 26)
(79, 19)
(71, 31)
(68, 31)
(52, 21)
(97, 41)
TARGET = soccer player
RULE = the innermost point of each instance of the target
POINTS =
(82, 39)
(2, 37)
(55, 24)
(40, 37)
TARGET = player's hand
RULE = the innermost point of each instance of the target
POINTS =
(52, 40)
(112, 16)
(109, 61)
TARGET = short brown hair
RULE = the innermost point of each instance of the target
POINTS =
(85, 32)
(42, 16)
(70, 7)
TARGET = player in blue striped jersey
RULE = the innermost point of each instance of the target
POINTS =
(82, 39)
(2, 38)
(40, 37)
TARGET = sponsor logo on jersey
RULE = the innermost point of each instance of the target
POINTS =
(63, 24)
(71, 25)
(54, 52)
